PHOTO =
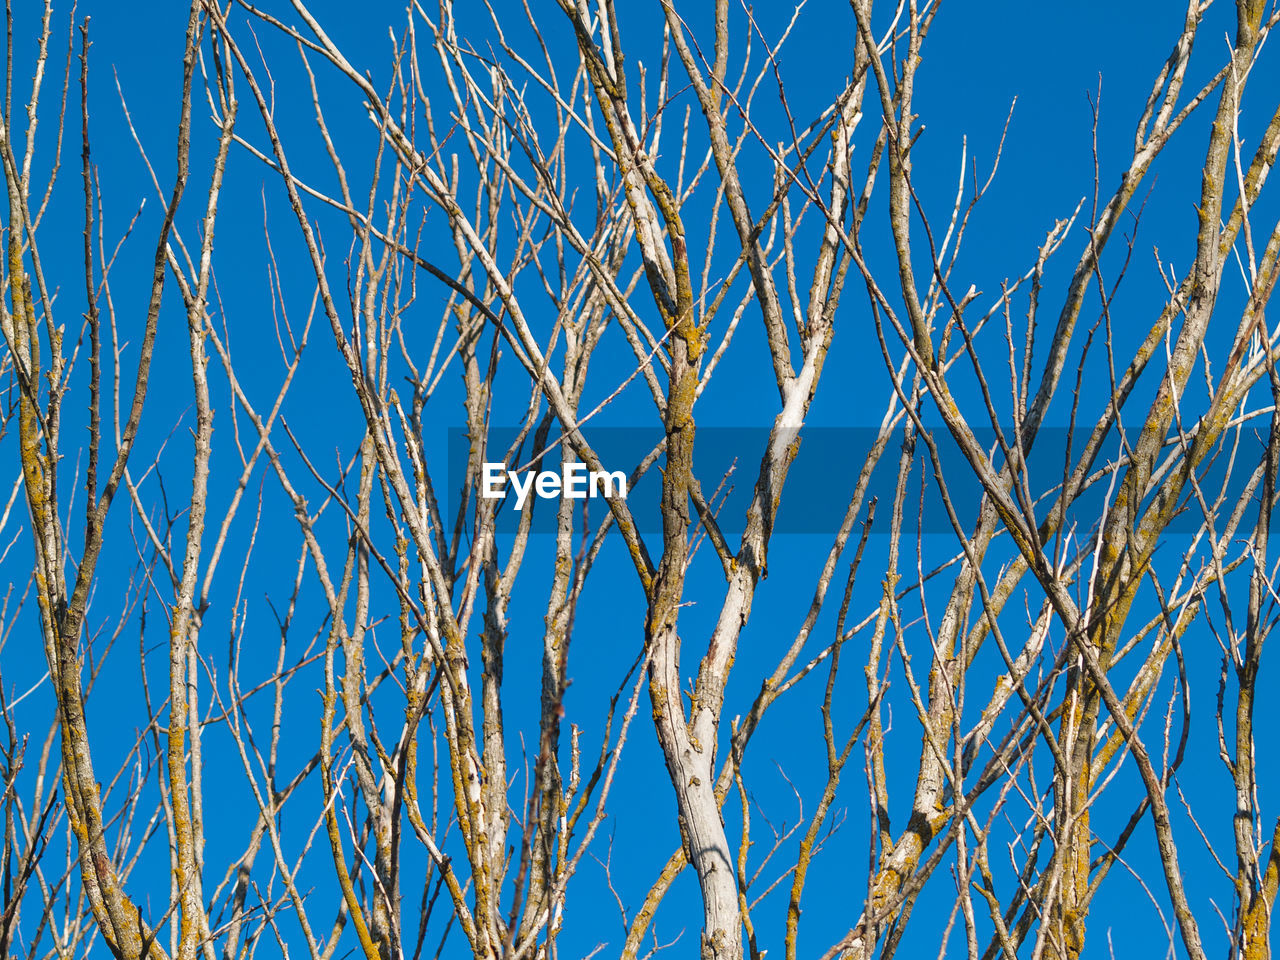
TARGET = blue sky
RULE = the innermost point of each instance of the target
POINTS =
(1053, 58)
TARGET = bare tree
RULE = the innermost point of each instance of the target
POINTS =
(516, 197)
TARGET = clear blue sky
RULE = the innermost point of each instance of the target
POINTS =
(1051, 57)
